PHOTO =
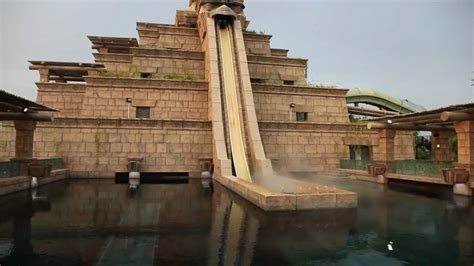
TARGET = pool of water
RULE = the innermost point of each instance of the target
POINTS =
(90, 222)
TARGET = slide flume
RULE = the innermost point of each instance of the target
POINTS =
(236, 139)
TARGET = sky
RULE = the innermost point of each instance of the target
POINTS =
(420, 50)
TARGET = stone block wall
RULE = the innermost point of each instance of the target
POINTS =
(168, 37)
(276, 70)
(323, 106)
(404, 146)
(321, 147)
(7, 141)
(114, 62)
(99, 148)
(106, 98)
(68, 98)
(192, 65)
(257, 44)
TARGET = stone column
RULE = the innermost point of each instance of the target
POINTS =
(387, 145)
(465, 134)
(24, 144)
(44, 75)
(440, 146)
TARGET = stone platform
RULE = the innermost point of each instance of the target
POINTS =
(275, 201)
(10, 185)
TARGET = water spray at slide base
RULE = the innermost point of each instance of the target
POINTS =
(284, 193)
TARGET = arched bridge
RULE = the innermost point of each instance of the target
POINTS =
(381, 100)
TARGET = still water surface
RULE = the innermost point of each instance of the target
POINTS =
(88, 222)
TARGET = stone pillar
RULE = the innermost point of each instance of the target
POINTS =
(387, 145)
(44, 75)
(24, 144)
(440, 146)
(465, 134)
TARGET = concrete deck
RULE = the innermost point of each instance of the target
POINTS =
(364, 176)
(274, 201)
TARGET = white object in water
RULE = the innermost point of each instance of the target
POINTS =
(389, 246)
(133, 180)
(206, 174)
(34, 182)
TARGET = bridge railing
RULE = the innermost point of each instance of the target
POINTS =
(426, 168)
(12, 168)
(56, 163)
(355, 164)
(9, 168)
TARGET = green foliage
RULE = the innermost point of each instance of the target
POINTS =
(422, 147)
(320, 85)
(119, 75)
(256, 32)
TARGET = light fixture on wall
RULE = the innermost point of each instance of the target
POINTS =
(438, 146)
(390, 121)
(129, 101)
(292, 106)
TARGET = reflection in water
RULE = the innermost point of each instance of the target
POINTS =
(88, 222)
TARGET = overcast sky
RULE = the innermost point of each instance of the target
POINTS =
(419, 50)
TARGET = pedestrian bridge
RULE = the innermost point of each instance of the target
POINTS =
(381, 100)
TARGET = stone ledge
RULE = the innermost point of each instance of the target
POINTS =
(299, 90)
(147, 83)
(10, 185)
(60, 87)
(127, 123)
(279, 52)
(300, 126)
(276, 60)
(164, 53)
(153, 29)
(112, 58)
(272, 201)
(256, 37)
(421, 179)
(56, 175)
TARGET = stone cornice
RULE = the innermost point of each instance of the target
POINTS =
(112, 58)
(60, 87)
(163, 53)
(146, 83)
(256, 37)
(298, 90)
(276, 60)
(154, 30)
(85, 122)
(317, 127)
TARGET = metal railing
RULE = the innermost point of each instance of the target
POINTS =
(12, 168)
(56, 163)
(355, 164)
(9, 169)
(426, 168)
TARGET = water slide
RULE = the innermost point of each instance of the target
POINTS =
(382, 100)
(239, 157)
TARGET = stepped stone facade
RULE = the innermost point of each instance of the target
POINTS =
(152, 98)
